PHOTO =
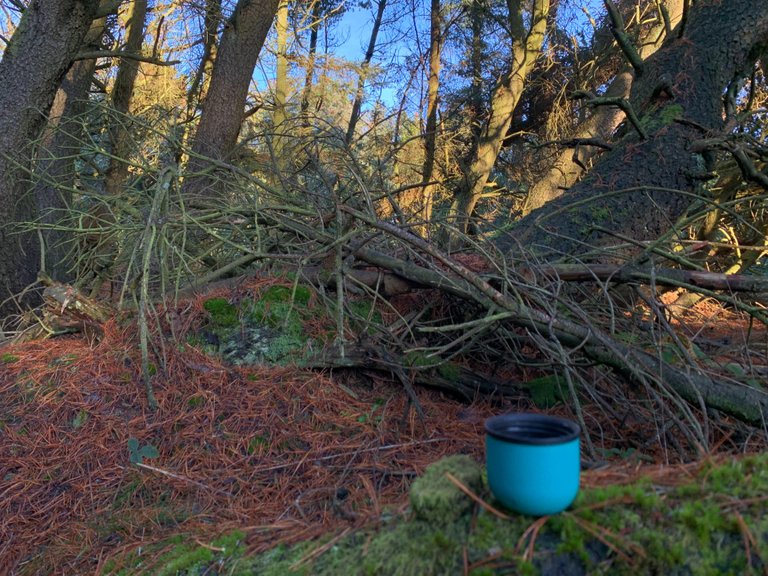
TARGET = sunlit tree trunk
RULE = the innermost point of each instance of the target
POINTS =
(33, 65)
(569, 164)
(430, 136)
(61, 142)
(224, 105)
(637, 190)
(122, 92)
(359, 94)
(526, 48)
(280, 114)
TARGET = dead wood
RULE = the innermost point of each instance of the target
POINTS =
(64, 310)
(746, 403)
(652, 275)
(459, 381)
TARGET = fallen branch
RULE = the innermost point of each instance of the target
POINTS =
(746, 403)
(662, 276)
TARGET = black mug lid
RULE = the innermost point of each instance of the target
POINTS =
(529, 428)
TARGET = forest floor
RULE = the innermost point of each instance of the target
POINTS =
(94, 481)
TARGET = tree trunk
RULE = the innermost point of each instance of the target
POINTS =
(476, 15)
(55, 168)
(224, 105)
(31, 70)
(314, 27)
(280, 114)
(121, 98)
(430, 137)
(525, 51)
(643, 186)
(358, 103)
(569, 164)
(210, 32)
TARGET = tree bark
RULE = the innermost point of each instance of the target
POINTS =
(224, 105)
(55, 168)
(31, 70)
(121, 98)
(569, 164)
(643, 186)
(476, 61)
(433, 93)
(525, 51)
(210, 35)
(280, 115)
(358, 103)
(314, 27)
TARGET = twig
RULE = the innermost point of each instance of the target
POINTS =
(353, 453)
(617, 29)
(456, 482)
(96, 54)
(182, 478)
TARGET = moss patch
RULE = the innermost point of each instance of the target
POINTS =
(223, 314)
(269, 329)
(181, 557)
(692, 529)
(435, 499)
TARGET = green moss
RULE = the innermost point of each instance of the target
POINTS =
(8, 358)
(269, 330)
(300, 296)
(686, 530)
(223, 314)
(449, 371)
(670, 113)
(547, 391)
(257, 443)
(79, 419)
(363, 312)
(66, 360)
(664, 116)
(414, 549)
(182, 557)
(435, 499)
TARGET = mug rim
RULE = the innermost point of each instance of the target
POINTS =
(531, 428)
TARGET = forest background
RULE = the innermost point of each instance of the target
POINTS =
(570, 193)
(584, 159)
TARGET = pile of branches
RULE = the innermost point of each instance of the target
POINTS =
(484, 308)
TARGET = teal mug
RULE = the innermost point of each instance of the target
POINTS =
(533, 462)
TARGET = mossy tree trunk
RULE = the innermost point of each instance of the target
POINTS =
(280, 114)
(433, 93)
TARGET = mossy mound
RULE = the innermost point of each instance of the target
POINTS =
(704, 527)
(437, 500)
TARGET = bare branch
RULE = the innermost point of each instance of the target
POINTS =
(121, 54)
(617, 29)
